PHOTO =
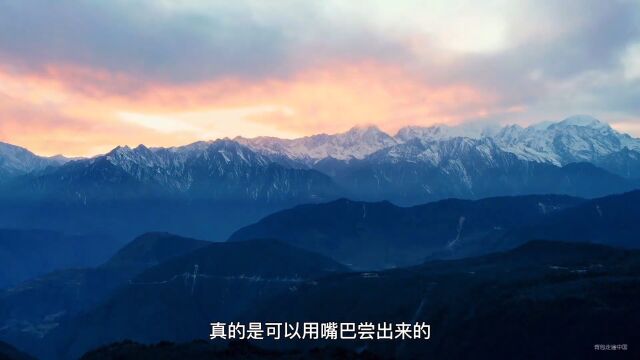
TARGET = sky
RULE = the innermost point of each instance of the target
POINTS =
(80, 77)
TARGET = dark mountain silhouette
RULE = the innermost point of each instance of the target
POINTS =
(500, 306)
(181, 296)
(382, 235)
(8, 352)
(32, 309)
(151, 249)
(611, 220)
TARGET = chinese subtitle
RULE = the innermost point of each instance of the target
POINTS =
(325, 331)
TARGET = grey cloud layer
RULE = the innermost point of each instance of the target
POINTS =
(557, 45)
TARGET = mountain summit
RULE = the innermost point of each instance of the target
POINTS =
(231, 183)
(15, 160)
(356, 143)
(575, 139)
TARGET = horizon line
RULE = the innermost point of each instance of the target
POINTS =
(478, 125)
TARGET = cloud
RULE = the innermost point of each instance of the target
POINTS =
(209, 124)
(172, 70)
(631, 62)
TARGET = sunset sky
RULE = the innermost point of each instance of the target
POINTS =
(80, 77)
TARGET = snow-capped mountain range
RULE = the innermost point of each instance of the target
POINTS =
(356, 143)
(434, 161)
(209, 188)
(577, 138)
(15, 160)
(221, 169)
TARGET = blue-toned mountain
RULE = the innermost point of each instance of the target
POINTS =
(382, 235)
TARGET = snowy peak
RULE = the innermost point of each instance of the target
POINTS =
(584, 121)
(574, 139)
(356, 143)
(439, 152)
(144, 162)
(364, 132)
(15, 160)
(126, 157)
(444, 132)
(577, 138)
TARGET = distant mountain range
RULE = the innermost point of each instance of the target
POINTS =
(182, 294)
(15, 161)
(235, 182)
(504, 305)
(590, 291)
(382, 235)
(32, 309)
(579, 138)
(303, 215)
(575, 139)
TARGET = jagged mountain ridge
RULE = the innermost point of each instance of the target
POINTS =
(33, 308)
(574, 139)
(15, 160)
(236, 182)
(356, 143)
(221, 169)
(578, 138)
(419, 171)
(217, 281)
(379, 235)
(369, 235)
(204, 190)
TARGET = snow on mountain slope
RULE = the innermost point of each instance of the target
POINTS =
(15, 160)
(438, 153)
(222, 170)
(356, 143)
(176, 166)
(575, 139)
(445, 132)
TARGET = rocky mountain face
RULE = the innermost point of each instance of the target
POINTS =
(440, 161)
(575, 139)
(236, 182)
(221, 169)
(15, 160)
(419, 171)
(422, 164)
(203, 190)
(356, 143)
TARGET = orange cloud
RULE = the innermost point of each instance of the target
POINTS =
(85, 111)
